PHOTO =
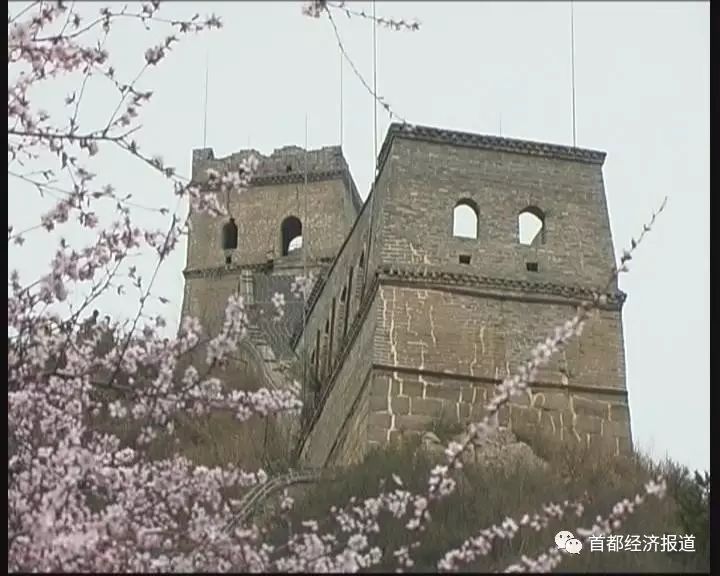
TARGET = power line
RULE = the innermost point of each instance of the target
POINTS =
(374, 28)
(304, 264)
(366, 264)
(572, 55)
(341, 98)
(207, 67)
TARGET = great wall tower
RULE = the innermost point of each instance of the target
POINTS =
(412, 320)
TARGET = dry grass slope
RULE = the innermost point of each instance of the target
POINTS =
(486, 496)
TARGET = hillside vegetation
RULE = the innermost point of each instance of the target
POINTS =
(487, 496)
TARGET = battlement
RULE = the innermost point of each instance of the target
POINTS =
(485, 142)
(277, 208)
(285, 165)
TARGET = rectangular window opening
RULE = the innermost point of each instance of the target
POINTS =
(531, 266)
(464, 259)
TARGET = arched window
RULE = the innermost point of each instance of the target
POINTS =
(229, 235)
(291, 232)
(465, 219)
(531, 226)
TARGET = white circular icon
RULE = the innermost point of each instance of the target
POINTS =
(573, 546)
(562, 537)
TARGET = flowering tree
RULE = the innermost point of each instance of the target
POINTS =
(82, 498)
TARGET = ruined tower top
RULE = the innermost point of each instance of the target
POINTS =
(278, 216)
(287, 164)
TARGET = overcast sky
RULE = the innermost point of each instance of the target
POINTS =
(642, 94)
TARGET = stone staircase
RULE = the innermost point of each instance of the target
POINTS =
(278, 360)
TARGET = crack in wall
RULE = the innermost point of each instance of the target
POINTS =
(432, 325)
(389, 405)
(423, 346)
(474, 360)
(391, 332)
(381, 293)
(415, 254)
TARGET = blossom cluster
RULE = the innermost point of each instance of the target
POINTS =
(551, 559)
(481, 545)
(82, 496)
(88, 398)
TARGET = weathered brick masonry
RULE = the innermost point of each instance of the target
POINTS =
(409, 324)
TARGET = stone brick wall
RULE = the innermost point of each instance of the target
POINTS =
(439, 353)
(351, 261)
(326, 328)
(406, 403)
(448, 332)
(327, 207)
(453, 332)
(340, 422)
(206, 298)
(353, 442)
(259, 214)
(429, 178)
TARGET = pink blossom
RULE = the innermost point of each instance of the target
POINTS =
(80, 499)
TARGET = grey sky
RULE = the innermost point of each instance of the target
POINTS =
(642, 92)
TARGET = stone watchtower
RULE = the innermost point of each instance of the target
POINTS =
(259, 249)
(294, 217)
(478, 248)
